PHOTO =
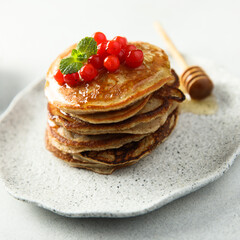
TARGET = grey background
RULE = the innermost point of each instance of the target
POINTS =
(33, 33)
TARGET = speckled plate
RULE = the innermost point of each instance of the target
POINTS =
(200, 149)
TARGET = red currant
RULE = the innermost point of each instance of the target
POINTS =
(134, 58)
(99, 37)
(121, 56)
(72, 79)
(88, 72)
(111, 63)
(96, 61)
(121, 40)
(101, 50)
(129, 48)
(113, 47)
(59, 77)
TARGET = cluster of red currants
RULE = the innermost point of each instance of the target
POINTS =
(110, 54)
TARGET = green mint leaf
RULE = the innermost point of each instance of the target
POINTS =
(82, 57)
(87, 45)
(85, 48)
(70, 65)
(74, 53)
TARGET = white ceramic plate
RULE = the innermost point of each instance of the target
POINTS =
(200, 149)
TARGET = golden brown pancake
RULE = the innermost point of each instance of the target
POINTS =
(112, 116)
(156, 107)
(106, 161)
(131, 110)
(73, 143)
(111, 91)
(149, 123)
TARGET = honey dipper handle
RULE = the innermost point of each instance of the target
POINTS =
(171, 46)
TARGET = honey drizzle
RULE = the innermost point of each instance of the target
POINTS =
(207, 106)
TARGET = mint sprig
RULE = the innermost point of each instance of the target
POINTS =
(87, 45)
(70, 65)
(85, 48)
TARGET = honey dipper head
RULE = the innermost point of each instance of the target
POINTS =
(197, 82)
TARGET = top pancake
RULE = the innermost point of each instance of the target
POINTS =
(111, 91)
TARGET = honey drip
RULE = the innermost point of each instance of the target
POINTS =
(207, 106)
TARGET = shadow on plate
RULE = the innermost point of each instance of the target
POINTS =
(10, 84)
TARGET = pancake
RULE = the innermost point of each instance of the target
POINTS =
(112, 116)
(111, 91)
(74, 143)
(157, 106)
(105, 162)
(121, 114)
(141, 128)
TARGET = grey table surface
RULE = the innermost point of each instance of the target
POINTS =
(34, 32)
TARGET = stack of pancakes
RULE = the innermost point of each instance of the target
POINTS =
(117, 118)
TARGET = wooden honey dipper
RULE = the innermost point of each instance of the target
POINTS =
(196, 82)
